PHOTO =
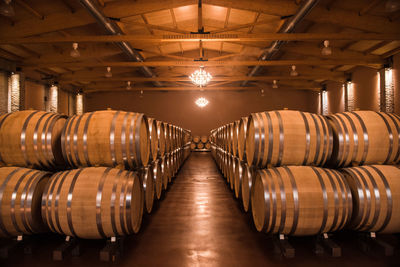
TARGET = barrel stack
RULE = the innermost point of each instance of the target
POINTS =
(201, 143)
(88, 176)
(305, 174)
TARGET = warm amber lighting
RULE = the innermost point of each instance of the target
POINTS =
(79, 104)
(201, 102)
(200, 77)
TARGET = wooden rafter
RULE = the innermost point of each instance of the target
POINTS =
(369, 6)
(28, 8)
(265, 37)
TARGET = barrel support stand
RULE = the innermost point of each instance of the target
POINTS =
(370, 243)
(113, 249)
(16, 245)
(283, 247)
(323, 244)
(70, 246)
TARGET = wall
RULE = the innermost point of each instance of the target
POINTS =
(335, 97)
(366, 88)
(63, 102)
(224, 107)
(396, 79)
(3, 92)
(34, 96)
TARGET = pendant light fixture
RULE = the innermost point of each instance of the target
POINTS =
(392, 5)
(108, 74)
(262, 92)
(200, 77)
(326, 50)
(6, 9)
(201, 102)
(128, 85)
(75, 52)
(275, 84)
(141, 94)
(293, 71)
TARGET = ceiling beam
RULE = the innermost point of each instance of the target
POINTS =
(360, 62)
(186, 79)
(28, 8)
(368, 7)
(190, 88)
(203, 37)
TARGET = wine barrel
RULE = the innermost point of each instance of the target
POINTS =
(246, 185)
(300, 200)
(207, 145)
(161, 138)
(376, 198)
(229, 137)
(31, 138)
(93, 203)
(153, 135)
(287, 137)
(200, 146)
(164, 171)
(235, 136)
(242, 138)
(365, 137)
(231, 171)
(108, 138)
(196, 139)
(167, 131)
(238, 177)
(157, 177)
(148, 187)
(20, 197)
(192, 145)
(204, 139)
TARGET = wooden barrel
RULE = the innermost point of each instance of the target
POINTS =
(204, 139)
(365, 137)
(235, 136)
(155, 169)
(21, 192)
(31, 138)
(376, 198)
(287, 137)
(247, 182)
(164, 171)
(231, 171)
(238, 177)
(148, 187)
(107, 138)
(229, 137)
(207, 145)
(196, 139)
(161, 138)
(153, 135)
(93, 203)
(200, 146)
(242, 138)
(167, 131)
(192, 145)
(300, 200)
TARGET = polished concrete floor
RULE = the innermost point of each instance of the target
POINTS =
(200, 223)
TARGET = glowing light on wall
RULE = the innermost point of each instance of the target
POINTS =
(53, 99)
(79, 104)
(324, 101)
(201, 102)
(389, 90)
(349, 96)
(14, 91)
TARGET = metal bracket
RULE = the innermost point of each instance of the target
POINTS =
(323, 244)
(113, 249)
(70, 246)
(369, 242)
(283, 247)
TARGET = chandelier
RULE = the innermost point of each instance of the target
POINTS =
(200, 77)
(201, 102)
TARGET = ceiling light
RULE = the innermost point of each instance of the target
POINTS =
(108, 74)
(201, 102)
(141, 94)
(392, 5)
(293, 71)
(326, 50)
(262, 92)
(128, 85)
(6, 8)
(75, 52)
(274, 84)
(200, 77)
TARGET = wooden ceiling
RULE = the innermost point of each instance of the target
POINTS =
(39, 39)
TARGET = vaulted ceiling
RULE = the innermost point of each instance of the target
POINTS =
(39, 39)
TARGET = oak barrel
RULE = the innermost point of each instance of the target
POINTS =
(31, 138)
(376, 198)
(365, 137)
(93, 203)
(148, 187)
(238, 177)
(157, 177)
(300, 200)
(21, 192)
(161, 138)
(153, 135)
(107, 138)
(242, 138)
(204, 139)
(246, 185)
(164, 172)
(200, 146)
(287, 137)
(235, 136)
